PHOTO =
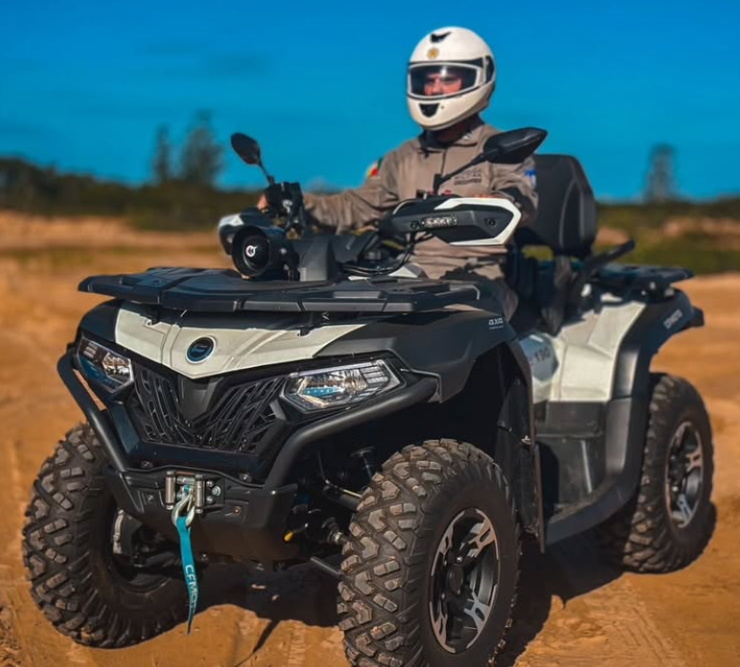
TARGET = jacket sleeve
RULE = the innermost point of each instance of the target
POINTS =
(518, 181)
(357, 207)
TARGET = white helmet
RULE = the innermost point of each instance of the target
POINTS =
(444, 52)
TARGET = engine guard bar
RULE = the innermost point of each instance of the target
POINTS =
(97, 420)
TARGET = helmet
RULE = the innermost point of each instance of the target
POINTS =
(451, 76)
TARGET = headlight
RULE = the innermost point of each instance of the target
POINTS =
(341, 385)
(103, 366)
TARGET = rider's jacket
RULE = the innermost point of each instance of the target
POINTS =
(409, 170)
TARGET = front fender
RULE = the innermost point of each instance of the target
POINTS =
(443, 344)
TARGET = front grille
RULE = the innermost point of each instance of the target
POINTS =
(237, 421)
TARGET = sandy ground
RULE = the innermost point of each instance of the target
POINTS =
(574, 611)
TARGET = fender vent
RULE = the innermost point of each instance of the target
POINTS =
(237, 420)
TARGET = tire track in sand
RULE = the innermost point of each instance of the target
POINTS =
(625, 626)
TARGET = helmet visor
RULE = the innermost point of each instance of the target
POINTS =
(440, 80)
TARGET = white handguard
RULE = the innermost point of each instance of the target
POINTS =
(227, 227)
(493, 202)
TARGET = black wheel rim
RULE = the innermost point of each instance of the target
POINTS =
(684, 474)
(464, 580)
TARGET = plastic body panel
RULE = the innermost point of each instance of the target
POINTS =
(592, 447)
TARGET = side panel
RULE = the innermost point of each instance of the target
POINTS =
(542, 363)
(611, 438)
(607, 353)
(580, 363)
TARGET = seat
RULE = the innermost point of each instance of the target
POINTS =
(566, 224)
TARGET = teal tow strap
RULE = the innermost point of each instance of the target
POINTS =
(182, 522)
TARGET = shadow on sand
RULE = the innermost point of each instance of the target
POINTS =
(568, 570)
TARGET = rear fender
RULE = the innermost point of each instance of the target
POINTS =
(657, 323)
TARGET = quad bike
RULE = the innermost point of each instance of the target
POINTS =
(328, 404)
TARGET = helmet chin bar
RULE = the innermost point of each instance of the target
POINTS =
(427, 122)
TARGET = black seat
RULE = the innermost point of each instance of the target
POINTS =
(566, 213)
(565, 223)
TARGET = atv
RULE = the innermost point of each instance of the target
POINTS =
(328, 403)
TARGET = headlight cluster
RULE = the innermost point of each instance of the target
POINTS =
(309, 391)
(105, 367)
(340, 385)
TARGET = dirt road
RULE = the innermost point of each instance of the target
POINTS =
(574, 610)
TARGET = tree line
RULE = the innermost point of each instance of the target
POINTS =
(201, 158)
(182, 191)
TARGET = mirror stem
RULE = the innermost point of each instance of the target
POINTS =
(270, 179)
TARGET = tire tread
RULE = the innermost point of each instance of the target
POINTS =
(55, 546)
(639, 536)
(388, 539)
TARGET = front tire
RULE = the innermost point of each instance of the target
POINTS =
(81, 587)
(431, 567)
(669, 522)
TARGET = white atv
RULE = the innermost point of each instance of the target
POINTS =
(395, 431)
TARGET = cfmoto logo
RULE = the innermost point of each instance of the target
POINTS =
(200, 350)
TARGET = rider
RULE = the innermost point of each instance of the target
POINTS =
(451, 78)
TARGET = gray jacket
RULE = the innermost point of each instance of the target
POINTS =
(411, 168)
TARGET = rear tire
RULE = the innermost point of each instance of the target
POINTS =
(431, 567)
(669, 522)
(84, 591)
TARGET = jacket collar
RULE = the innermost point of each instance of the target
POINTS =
(429, 144)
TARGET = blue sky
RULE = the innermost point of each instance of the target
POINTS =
(84, 85)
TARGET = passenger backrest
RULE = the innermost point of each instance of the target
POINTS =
(566, 213)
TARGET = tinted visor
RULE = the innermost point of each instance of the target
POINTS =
(442, 79)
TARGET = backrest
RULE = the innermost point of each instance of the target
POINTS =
(566, 213)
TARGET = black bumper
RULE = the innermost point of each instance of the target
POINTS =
(249, 520)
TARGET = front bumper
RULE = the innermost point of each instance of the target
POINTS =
(247, 523)
(249, 520)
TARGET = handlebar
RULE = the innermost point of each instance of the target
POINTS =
(285, 200)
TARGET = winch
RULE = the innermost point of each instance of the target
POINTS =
(207, 491)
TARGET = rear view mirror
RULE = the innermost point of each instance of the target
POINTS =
(513, 147)
(246, 148)
(249, 151)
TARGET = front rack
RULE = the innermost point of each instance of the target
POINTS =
(225, 291)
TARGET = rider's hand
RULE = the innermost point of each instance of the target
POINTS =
(262, 203)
